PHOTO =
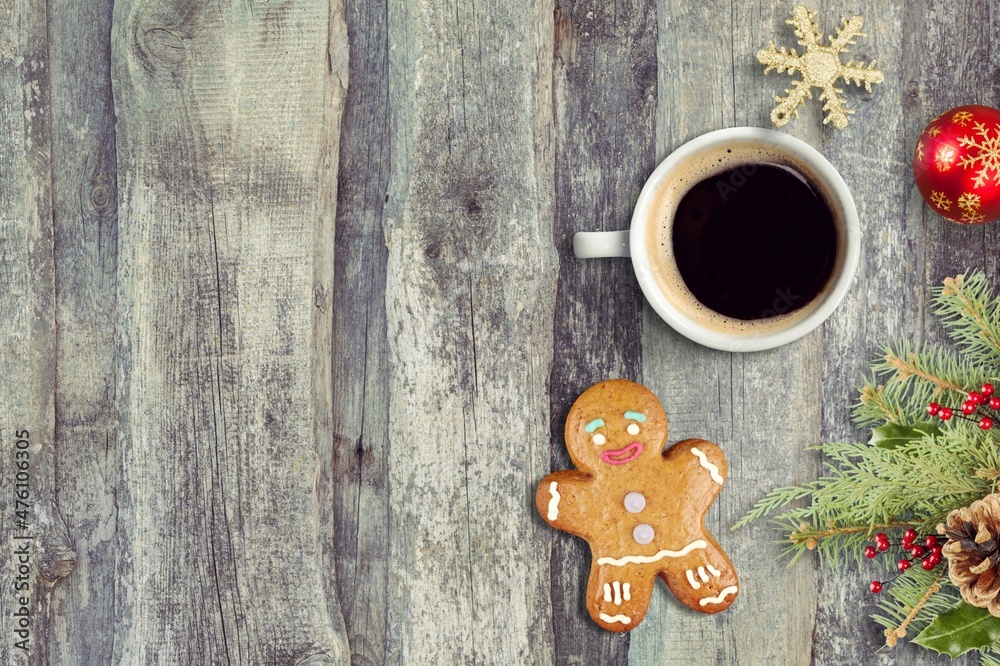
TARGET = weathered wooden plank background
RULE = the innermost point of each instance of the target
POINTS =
(290, 312)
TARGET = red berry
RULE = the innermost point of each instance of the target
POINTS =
(909, 536)
(987, 389)
(974, 397)
(870, 552)
(933, 409)
(986, 423)
(917, 551)
(935, 558)
(968, 408)
(994, 403)
(875, 587)
(904, 565)
(931, 542)
(927, 563)
(945, 414)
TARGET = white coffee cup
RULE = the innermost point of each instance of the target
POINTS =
(658, 276)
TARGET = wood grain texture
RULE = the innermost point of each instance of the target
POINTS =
(226, 115)
(85, 220)
(604, 91)
(36, 553)
(469, 296)
(355, 472)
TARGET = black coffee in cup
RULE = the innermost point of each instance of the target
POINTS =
(744, 239)
(754, 241)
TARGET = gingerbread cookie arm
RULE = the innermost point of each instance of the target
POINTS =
(618, 596)
(703, 467)
(562, 498)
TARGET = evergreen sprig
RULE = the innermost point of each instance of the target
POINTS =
(912, 481)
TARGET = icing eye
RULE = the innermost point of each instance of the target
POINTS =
(599, 439)
(633, 428)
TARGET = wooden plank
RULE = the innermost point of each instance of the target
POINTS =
(605, 97)
(469, 296)
(758, 407)
(86, 245)
(355, 472)
(36, 551)
(227, 123)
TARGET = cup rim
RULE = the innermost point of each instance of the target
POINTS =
(733, 342)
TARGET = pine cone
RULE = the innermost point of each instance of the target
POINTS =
(972, 551)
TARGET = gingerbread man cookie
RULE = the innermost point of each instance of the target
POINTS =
(641, 509)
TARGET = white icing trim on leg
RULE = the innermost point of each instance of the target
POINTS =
(627, 591)
(732, 589)
(611, 619)
(695, 584)
(702, 574)
(607, 593)
(618, 593)
(712, 570)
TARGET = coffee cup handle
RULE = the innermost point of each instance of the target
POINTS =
(595, 244)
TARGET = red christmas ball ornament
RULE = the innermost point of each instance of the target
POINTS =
(957, 164)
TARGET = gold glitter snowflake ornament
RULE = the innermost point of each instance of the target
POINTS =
(820, 67)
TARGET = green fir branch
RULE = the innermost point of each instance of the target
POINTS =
(906, 377)
(971, 314)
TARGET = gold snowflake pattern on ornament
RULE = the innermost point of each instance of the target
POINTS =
(820, 67)
(969, 201)
(988, 157)
(920, 150)
(940, 201)
(945, 157)
(962, 118)
(934, 131)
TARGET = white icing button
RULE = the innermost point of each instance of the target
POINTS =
(633, 429)
(599, 439)
(635, 502)
(642, 533)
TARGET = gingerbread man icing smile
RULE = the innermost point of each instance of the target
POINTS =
(641, 509)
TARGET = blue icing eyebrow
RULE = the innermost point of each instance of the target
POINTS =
(636, 416)
(595, 424)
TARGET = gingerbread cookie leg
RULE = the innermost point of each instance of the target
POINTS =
(618, 596)
(705, 580)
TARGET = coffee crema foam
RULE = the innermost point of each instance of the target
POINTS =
(659, 242)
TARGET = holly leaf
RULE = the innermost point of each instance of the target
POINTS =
(891, 435)
(961, 628)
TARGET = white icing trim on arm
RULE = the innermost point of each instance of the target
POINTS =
(554, 502)
(611, 619)
(713, 470)
(648, 559)
(719, 599)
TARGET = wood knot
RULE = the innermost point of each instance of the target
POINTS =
(473, 210)
(432, 251)
(100, 193)
(313, 656)
(158, 45)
